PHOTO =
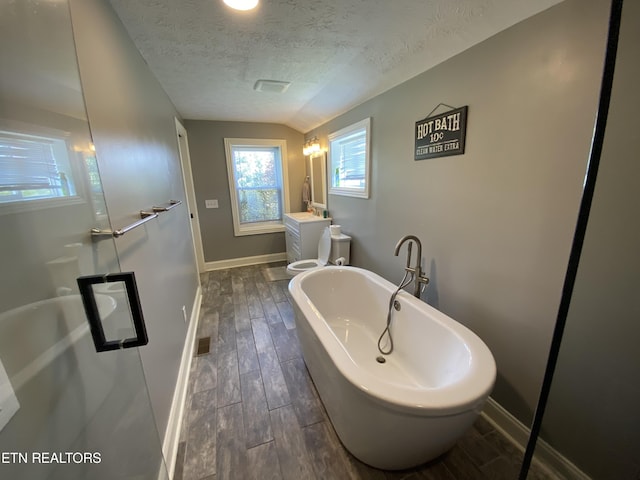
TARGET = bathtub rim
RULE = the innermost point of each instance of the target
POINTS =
(468, 393)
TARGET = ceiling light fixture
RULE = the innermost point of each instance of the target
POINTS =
(242, 4)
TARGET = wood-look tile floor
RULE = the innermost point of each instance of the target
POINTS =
(252, 411)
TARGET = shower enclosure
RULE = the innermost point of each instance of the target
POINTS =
(591, 424)
(67, 410)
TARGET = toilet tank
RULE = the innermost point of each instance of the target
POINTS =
(340, 247)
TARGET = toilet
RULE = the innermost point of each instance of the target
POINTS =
(331, 249)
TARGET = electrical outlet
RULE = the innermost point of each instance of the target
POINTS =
(211, 203)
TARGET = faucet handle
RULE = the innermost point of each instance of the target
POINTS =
(424, 281)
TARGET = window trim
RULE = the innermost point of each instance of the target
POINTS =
(261, 227)
(339, 135)
(20, 129)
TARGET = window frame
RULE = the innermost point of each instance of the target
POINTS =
(257, 228)
(68, 164)
(341, 135)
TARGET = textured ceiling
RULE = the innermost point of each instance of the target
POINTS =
(335, 53)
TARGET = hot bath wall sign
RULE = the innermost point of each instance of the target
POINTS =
(441, 135)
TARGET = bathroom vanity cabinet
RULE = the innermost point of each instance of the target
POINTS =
(302, 234)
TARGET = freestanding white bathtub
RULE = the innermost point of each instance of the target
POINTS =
(413, 407)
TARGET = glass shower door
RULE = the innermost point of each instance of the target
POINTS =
(67, 410)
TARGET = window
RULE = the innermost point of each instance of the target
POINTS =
(258, 184)
(349, 160)
(33, 168)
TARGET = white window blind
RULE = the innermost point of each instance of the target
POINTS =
(349, 154)
(349, 160)
(30, 169)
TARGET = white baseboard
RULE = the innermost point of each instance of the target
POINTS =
(172, 434)
(546, 457)
(244, 261)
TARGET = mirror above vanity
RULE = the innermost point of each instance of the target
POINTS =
(318, 170)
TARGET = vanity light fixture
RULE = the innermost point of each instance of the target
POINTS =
(311, 146)
(242, 4)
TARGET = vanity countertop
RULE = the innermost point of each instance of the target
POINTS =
(306, 217)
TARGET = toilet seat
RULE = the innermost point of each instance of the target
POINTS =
(324, 249)
(303, 266)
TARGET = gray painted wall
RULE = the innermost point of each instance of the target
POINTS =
(592, 415)
(496, 223)
(208, 162)
(132, 123)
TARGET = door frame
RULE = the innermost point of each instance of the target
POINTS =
(192, 205)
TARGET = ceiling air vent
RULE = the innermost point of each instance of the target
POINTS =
(273, 86)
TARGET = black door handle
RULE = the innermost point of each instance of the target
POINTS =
(93, 315)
